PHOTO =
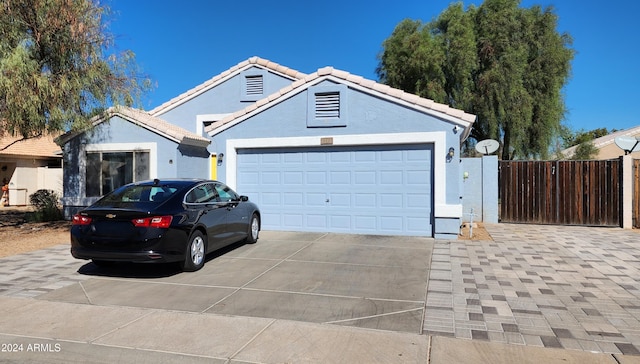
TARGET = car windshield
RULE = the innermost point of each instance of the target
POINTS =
(138, 194)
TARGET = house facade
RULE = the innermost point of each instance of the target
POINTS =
(28, 165)
(606, 146)
(327, 152)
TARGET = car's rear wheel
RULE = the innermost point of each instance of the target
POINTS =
(195, 252)
(254, 229)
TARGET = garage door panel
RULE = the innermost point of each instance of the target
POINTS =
(342, 178)
(391, 200)
(270, 178)
(317, 178)
(417, 177)
(391, 177)
(373, 190)
(340, 222)
(365, 177)
(270, 198)
(293, 178)
(417, 200)
(293, 221)
(269, 159)
(316, 199)
(317, 221)
(365, 200)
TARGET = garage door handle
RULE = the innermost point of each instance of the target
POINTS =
(327, 200)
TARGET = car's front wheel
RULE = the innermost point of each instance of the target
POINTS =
(195, 252)
(254, 229)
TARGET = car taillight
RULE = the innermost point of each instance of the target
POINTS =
(155, 221)
(81, 220)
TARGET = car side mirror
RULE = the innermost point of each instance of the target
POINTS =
(244, 198)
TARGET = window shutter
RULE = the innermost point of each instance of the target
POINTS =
(327, 105)
(254, 85)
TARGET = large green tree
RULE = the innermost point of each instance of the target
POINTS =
(58, 67)
(504, 63)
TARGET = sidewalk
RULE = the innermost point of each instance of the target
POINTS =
(68, 333)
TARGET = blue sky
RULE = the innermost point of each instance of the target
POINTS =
(182, 44)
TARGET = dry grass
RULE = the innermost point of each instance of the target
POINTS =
(17, 235)
(477, 233)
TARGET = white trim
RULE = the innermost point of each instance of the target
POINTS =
(129, 147)
(202, 118)
(438, 139)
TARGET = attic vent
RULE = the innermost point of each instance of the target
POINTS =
(327, 105)
(254, 85)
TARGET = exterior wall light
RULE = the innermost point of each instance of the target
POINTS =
(450, 154)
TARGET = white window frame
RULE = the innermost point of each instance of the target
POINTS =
(152, 148)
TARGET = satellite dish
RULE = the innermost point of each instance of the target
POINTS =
(628, 144)
(487, 146)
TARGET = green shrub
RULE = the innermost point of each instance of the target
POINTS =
(46, 205)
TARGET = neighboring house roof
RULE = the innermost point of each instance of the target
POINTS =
(44, 147)
(605, 141)
(231, 72)
(151, 123)
(386, 92)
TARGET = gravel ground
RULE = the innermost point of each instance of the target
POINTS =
(19, 236)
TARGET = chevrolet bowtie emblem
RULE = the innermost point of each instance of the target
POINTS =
(110, 216)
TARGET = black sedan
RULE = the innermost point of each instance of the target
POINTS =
(178, 220)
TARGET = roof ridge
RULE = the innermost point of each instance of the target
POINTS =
(254, 60)
(355, 79)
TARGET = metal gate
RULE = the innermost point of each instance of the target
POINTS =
(561, 192)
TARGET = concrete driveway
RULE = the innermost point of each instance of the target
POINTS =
(350, 280)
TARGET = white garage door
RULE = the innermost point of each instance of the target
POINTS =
(367, 190)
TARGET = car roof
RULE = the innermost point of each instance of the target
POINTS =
(183, 182)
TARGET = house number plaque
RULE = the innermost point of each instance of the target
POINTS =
(326, 141)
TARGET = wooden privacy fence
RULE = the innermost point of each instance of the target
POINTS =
(561, 192)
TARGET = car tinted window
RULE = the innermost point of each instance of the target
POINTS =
(203, 193)
(226, 193)
(134, 194)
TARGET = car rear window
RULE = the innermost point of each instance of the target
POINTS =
(136, 194)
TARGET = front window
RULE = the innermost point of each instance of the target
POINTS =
(107, 171)
(226, 194)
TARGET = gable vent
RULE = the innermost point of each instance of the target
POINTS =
(255, 85)
(327, 105)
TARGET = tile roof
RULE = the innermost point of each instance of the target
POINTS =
(441, 110)
(149, 122)
(253, 61)
(43, 146)
(605, 140)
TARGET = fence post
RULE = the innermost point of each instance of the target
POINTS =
(627, 191)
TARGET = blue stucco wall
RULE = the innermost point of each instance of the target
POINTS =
(480, 188)
(224, 98)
